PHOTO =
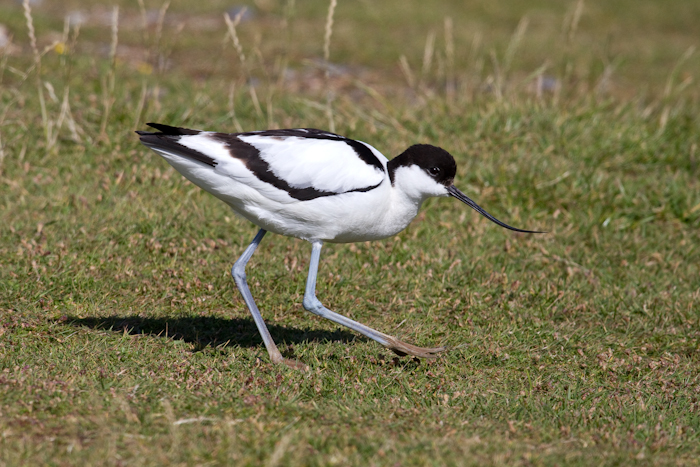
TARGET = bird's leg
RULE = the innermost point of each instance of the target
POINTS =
(239, 276)
(312, 304)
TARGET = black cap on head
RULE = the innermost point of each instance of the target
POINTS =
(437, 162)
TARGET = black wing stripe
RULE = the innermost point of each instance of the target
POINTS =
(166, 142)
(250, 156)
(365, 153)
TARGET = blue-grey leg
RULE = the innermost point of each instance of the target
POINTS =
(239, 276)
(312, 304)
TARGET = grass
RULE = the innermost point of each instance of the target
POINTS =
(124, 341)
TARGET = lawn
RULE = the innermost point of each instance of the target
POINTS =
(123, 340)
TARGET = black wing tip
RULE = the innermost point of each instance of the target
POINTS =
(162, 142)
(167, 139)
(150, 139)
(167, 130)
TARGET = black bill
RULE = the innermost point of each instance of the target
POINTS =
(454, 192)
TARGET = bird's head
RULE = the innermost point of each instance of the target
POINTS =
(423, 171)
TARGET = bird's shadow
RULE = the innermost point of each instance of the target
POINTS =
(209, 332)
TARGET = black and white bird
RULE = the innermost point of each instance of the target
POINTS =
(316, 186)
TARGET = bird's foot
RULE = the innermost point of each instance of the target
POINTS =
(402, 349)
(290, 362)
(295, 364)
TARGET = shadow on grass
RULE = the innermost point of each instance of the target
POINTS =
(207, 331)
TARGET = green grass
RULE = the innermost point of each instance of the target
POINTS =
(124, 341)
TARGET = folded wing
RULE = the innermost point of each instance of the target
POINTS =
(303, 164)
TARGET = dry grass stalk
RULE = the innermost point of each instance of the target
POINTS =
(108, 81)
(140, 105)
(569, 28)
(3, 63)
(231, 25)
(30, 31)
(144, 20)
(514, 43)
(73, 127)
(670, 88)
(496, 81)
(407, 72)
(329, 30)
(256, 101)
(46, 123)
(428, 53)
(160, 61)
(449, 58)
(270, 111)
(232, 108)
(326, 58)
(2, 145)
(575, 18)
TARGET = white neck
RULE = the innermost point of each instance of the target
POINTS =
(407, 195)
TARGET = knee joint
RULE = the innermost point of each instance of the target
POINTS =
(238, 272)
(310, 303)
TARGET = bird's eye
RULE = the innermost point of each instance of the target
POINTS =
(434, 170)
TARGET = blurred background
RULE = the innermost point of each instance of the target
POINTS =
(123, 338)
(624, 49)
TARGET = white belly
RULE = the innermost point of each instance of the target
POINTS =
(345, 218)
